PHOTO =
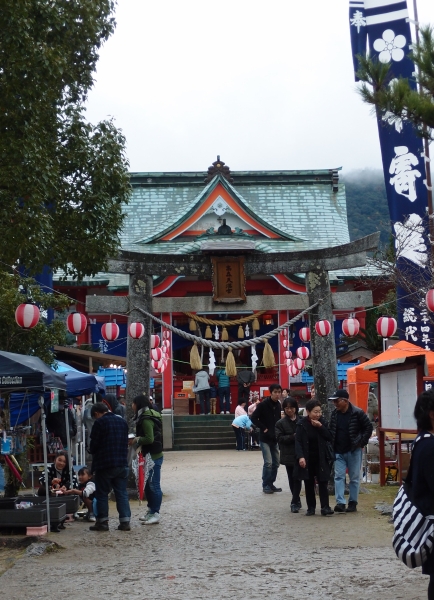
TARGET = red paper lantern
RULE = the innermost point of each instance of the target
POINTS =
(350, 327)
(304, 334)
(155, 364)
(166, 344)
(166, 335)
(303, 352)
(323, 328)
(76, 323)
(156, 353)
(283, 333)
(429, 298)
(136, 330)
(285, 343)
(110, 331)
(287, 354)
(293, 371)
(27, 315)
(289, 362)
(155, 341)
(386, 326)
(299, 363)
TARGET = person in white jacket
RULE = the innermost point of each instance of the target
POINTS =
(201, 387)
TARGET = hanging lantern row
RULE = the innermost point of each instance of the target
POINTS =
(27, 315)
(76, 323)
(303, 352)
(386, 326)
(304, 334)
(350, 327)
(323, 328)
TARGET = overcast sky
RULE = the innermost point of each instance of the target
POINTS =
(267, 85)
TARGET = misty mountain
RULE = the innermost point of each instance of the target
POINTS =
(367, 204)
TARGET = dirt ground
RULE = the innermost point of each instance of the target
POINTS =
(220, 537)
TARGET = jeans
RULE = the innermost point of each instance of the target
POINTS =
(106, 480)
(353, 462)
(294, 484)
(153, 492)
(270, 454)
(239, 435)
(225, 398)
(204, 401)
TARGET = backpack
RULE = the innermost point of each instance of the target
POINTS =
(413, 540)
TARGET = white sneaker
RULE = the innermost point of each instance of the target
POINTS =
(145, 516)
(152, 519)
(222, 412)
(91, 517)
(227, 412)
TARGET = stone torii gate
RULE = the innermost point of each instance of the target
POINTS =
(316, 264)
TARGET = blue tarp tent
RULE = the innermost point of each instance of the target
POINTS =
(23, 406)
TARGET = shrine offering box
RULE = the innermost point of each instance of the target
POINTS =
(187, 387)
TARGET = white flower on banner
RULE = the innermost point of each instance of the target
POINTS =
(247, 330)
(211, 365)
(358, 20)
(409, 315)
(216, 333)
(392, 120)
(390, 47)
(404, 180)
(409, 242)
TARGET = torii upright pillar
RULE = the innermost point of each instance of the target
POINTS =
(138, 350)
(323, 348)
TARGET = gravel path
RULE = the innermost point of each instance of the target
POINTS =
(220, 537)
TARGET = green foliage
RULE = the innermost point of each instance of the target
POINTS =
(39, 340)
(62, 179)
(397, 96)
(367, 204)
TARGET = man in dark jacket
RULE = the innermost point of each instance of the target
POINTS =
(245, 379)
(265, 417)
(350, 429)
(109, 449)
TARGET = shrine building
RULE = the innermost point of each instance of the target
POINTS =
(226, 211)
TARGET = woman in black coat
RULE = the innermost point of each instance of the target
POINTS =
(285, 435)
(421, 471)
(314, 457)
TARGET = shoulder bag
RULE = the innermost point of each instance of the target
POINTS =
(413, 540)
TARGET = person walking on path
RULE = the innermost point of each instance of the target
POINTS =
(245, 379)
(285, 435)
(149, 438)
(224, 389)
(202, 387)
(266, 415)
(314, 457)
(350, 429)
(109, 449)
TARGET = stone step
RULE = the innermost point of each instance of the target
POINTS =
(202, 418)
(209, 446)
(200, 427)
(208, 432)
(200, 439)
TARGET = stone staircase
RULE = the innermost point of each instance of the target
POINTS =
(203, 432)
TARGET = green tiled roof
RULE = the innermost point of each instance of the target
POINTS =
(298, 205)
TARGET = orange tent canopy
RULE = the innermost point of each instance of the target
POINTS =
(359, 378)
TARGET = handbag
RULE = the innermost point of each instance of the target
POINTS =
(413, 540)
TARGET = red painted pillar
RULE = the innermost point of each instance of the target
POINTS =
(167, 376)
(282, 317)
